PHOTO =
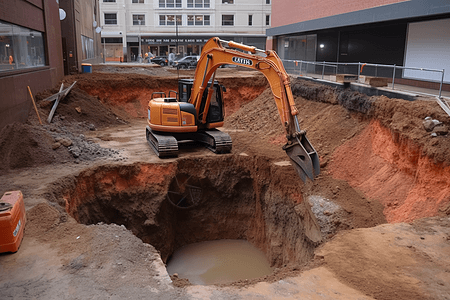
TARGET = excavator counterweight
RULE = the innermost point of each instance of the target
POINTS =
(198, 109)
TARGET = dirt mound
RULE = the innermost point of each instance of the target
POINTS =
(78, 107)
(24, 145)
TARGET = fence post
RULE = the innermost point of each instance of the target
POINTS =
(393, 78)
(376, 70)
(301, 64)
(359, 70)
(323, 69)
(442, 81)
(337, 66)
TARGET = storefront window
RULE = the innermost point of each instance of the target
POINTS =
(301, 47)
(20, 47)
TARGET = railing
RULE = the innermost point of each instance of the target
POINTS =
(331, 70)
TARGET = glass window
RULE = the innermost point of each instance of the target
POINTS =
(169, 20)
(87, 46)
(267, 1)
(138, 19)
(198, 3)
(190, 20)
(227, 20)
(110, 19)
(136, 1)
(110, 0)
(170, 3)
(227, 1)
(250, 20)
(20, 47)
(267, 20)
(198, 20)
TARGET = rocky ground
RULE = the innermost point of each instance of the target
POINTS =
(380, 227)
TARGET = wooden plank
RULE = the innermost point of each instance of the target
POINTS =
(50, 116)
(62, 94)
(34, 103)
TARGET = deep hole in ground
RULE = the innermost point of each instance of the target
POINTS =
(240, 198)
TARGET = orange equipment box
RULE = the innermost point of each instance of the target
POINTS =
(12, 221)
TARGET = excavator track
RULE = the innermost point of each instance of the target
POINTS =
(215, 140)
(162, 145)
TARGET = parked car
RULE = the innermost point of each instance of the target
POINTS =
(186, 62)
(160, 60)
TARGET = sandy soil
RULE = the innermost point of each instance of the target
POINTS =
(380, 169)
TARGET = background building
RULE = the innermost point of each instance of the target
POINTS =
(406, 33)
(30, 54)
(195, 21)
(80, 29)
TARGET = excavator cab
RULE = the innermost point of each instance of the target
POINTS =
(216, 108)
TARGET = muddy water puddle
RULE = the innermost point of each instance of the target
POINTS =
(217, 262)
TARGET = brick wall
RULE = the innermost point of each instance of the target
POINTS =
(286, 12)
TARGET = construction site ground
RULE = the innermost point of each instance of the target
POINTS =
(375, 224)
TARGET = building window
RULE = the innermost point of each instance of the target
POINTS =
(138, 19)
(227, 1)
(198, 3)
(169, 20)
(170, 3)
(227, 20)
(137, 1)
(267, 1)
(110, 19)
(87, 45)
(250, 20)
(20, 47)
(267, 20)
(109, 0)
(198, 20)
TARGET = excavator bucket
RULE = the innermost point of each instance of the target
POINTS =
(303, 157)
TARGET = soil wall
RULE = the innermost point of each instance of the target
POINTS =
(130, 93)
(393, 170)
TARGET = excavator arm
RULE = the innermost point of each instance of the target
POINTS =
(302, 154)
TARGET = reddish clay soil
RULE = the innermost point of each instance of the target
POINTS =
(378, 166)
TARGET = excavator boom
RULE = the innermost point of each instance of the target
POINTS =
(302, 154)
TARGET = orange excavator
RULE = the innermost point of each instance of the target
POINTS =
(197, 109)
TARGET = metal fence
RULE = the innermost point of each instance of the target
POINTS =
(331, 70)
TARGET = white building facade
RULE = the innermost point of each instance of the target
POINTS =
(130, 27)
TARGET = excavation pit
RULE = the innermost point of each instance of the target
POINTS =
(222, 198)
